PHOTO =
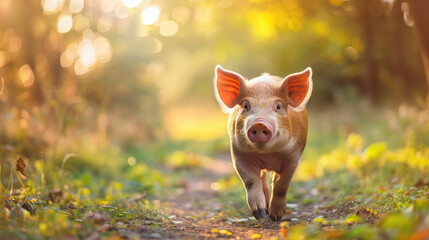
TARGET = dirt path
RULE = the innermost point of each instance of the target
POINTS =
(195, 211)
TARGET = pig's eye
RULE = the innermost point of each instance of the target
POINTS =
(246, 106)
(278, 107)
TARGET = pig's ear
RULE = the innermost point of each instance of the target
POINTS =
(228, 86)
(299, 87)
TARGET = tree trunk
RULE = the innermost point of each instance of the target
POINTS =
(419, 10)
(370, 85)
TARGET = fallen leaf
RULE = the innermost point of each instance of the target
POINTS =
(283, 232)
(352, 219)
(351, 198)
(284, 224)
(334, 234)
(320, 220)
(420, 235)
(256, 236)
(20, 166)
(283, 229)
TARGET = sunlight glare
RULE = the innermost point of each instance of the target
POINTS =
(81, 23)
(65, 23)
(87, 52)
(72, 51)
(79, 68)
(122, 12)
(150, 14)
(52, 6)
(65, 61)
(25, 74)
(104, 24)
(108, 5)
(168, 28)
(69, 55)
(131, 3)
(103, 49)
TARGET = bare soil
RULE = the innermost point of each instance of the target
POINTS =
(195, 211)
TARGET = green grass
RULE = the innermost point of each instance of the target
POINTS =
(75, 189)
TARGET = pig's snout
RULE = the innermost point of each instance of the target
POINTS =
(260, 132)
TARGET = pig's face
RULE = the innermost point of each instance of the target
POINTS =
(260, 119)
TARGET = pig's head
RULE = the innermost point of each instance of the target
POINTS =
(261, 108)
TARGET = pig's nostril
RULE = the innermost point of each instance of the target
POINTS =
(259, 133)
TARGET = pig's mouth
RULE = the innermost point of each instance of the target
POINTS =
(260, 132)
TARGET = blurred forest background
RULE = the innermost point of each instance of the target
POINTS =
(117, 84)
(140, 71)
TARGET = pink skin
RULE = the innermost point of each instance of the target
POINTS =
(268, 131)
(260, 132)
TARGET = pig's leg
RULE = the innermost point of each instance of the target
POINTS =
(281, 184)
(251, 177)
(266, 186)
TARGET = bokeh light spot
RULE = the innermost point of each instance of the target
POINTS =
(351, 53)
(81, 23)
(52, 6)
(131, 3)
(181, 14)
(168, 28)
(15, 44)
(122, 12)
(108, 5)
(103, 49)
(25, 75)
(72, 51)
(87, 52)
(321, 28)
(65, 23)
(65, 61)
(336, 2)
(76, 6)
(104, 24)
(214, 186)
(80, 69)
(131, 161)
(150, 14)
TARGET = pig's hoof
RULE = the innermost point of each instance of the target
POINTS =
(275, 218)
(260, 213)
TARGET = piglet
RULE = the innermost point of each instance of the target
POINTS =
(268, 131)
